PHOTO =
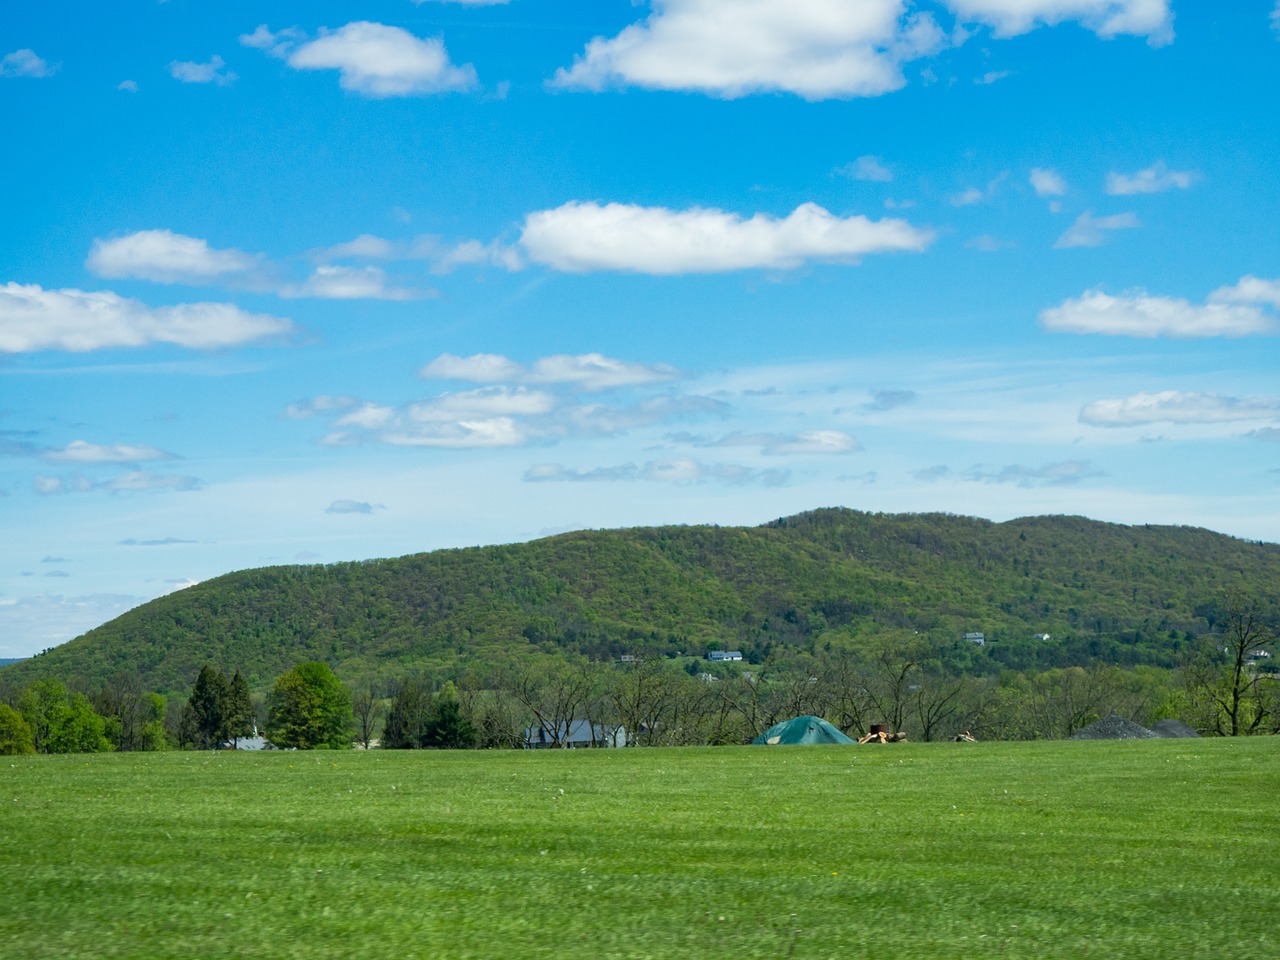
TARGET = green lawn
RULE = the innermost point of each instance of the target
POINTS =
(1143, 849)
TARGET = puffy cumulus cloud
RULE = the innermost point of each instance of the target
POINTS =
(81, 451)
(1091, 231)
(483, 402)
(166, 257)
(1155, 179)
(1063, 473)
(1108, 18)
(25, 63)
(1174, 406)
(587, 371)
(680, 471)
(376, 60)
(867, 168)
(212, 72)
(816, 49)
(1249, 289)
(1139, 314)
(332, 282)
(803, 443)
(583, 237)
(32, 318)
(1046, 182)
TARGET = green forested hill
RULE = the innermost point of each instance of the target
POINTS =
(818, 580)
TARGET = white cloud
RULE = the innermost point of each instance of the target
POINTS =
(381, 61)
(364, 247)
(1139, 314)
(1091, 231)
(478, 368)
(1059, 474)
(681, 471)
(278, 44)
(804, 443)
(25, 63)
(1047, 182)
(1173, 406)
(867, 168)
(1107, 18)
(33, 623)
(127, 86)
(967, 197)
(447, 259)
(992, 76)
(1249, 290)
(211, 72)
(594, 371)
(581, 237)
(588, 371)
(166, 257)
(1275, 18)
(329, 282)
(1155, 179)
(482, 403)
(817, 49)
(32, 318)
(81, 451)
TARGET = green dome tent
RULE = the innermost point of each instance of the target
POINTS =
(802, 730)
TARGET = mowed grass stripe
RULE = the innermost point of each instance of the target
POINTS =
(1116, 849)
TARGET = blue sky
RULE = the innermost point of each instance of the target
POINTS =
(364, 279)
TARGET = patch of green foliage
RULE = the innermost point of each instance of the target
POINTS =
(824, 580)
(1132, 849)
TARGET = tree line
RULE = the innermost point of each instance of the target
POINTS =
(1226, 687)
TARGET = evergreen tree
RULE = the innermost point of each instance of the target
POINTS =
(210, 703)
(447, 726)
(241, 717)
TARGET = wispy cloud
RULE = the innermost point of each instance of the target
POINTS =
(25, 63)
(1154, 179)
(352, 506)
(1108, 18)
(214, 71)
(1047, 182)
(1174, 406)
(868, 168)
(1091, 231)
(680, 471)
(588, 371)
(1062, 473)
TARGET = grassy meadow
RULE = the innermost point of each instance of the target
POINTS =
(1151, 849)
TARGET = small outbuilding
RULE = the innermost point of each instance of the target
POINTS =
(802, 730)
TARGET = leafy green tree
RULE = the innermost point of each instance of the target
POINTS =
(310, 708)
(15, 733)
(39, 705)
(77, 728)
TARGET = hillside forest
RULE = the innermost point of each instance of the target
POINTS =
(932, 623)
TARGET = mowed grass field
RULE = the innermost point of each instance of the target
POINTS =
(1151, 849)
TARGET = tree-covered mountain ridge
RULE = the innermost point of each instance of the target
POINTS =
(816, 581)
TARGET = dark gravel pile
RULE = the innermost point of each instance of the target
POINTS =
(1114, 728)
(1174, 728)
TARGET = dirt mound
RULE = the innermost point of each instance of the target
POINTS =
(1174, 728)
(1113, 728)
